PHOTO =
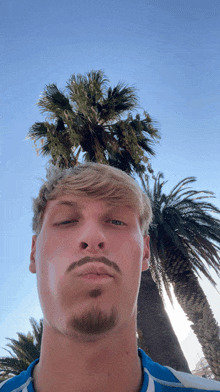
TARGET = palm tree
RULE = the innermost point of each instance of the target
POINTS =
(156, 335)
(184, 241)
(24, 351)
(92, 118)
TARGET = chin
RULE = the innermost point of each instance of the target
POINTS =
(92, 324)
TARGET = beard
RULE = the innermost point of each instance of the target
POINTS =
(94, 322)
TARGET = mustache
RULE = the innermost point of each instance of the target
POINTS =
(88, 259)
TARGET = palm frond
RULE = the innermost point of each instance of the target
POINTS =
(54, 101)
(184, 230)
(38, 131)
(23, 352)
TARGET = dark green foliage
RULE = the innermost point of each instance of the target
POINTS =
(23, 351)
(184, 226)
(91, 118)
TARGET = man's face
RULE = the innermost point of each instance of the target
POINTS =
(88, 258)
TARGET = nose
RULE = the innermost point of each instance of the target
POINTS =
(92, 238)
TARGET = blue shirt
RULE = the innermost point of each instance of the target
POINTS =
(156, 378)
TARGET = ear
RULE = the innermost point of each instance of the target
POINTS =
(146, 258)
(32, 266)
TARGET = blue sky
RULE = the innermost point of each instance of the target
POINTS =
(168, 50)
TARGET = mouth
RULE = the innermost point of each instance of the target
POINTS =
(93, 273)
(95, 277)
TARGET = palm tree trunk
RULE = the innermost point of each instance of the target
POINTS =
(156, 335)
(193, 301)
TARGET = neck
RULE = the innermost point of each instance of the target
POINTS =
(108, 364)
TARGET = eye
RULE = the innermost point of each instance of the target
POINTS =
(66, 222)
(117, 222)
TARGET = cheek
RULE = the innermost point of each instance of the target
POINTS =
(51, 280)
(133, 252)
(55, 271)
(51, 267)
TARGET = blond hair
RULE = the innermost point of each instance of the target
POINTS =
(96, 181)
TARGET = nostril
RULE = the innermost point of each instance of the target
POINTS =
(84, 245)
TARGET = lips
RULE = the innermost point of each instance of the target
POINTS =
(95, 270)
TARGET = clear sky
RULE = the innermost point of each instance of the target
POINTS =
(169, 50)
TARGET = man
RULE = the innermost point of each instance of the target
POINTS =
(89, 249)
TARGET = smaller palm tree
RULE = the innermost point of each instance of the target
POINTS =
(185, 238)
(24, 351)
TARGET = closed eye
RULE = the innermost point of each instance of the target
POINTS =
(67, 222)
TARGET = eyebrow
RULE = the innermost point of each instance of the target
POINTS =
(79, 206)
(72, 204)
(68, 203)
